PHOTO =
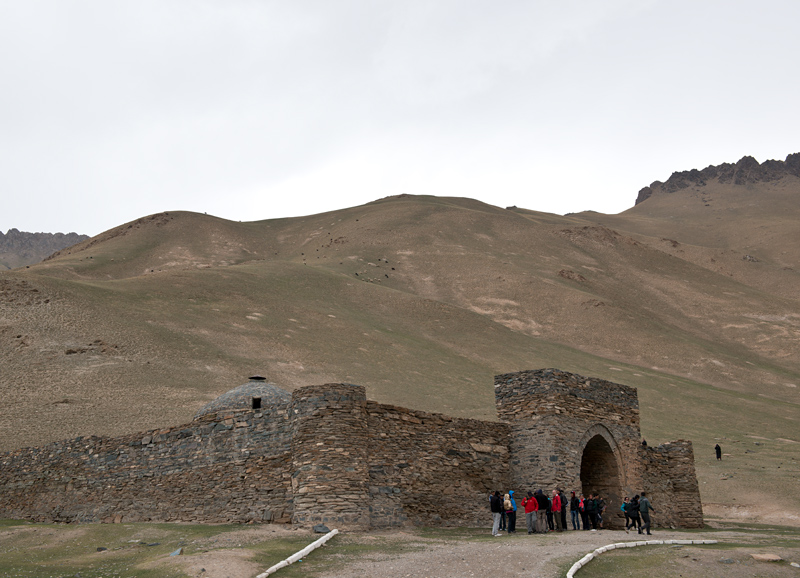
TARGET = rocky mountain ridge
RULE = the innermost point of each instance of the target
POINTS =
(745, 170)
(18, 248)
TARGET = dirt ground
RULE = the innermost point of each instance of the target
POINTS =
(225, 557)
(229, 552)
(515, 555)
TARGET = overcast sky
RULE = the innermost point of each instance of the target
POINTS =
(250, 110)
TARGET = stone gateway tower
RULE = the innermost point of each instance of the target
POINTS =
(570, 432)
(582, 434)
(328, 454)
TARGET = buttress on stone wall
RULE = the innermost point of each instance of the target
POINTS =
(331, 456)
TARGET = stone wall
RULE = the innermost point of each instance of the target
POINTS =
(225, 468)
(360, 464)
(331, 456)
(669, 478)
(429, 468)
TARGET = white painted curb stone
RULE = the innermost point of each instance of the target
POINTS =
(301, 554)
(602, 550)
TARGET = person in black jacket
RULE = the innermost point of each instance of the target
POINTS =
(575, 511)
(563, 512)
(495, 506)
(541, 513)
(582, 504)
(633, 513)
(591, 509)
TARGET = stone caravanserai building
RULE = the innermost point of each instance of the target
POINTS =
(326, 454)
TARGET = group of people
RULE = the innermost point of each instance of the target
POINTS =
(637, 510)
(549, 513)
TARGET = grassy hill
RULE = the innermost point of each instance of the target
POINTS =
(422, 300)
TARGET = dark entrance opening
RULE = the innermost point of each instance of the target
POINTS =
(256, 403)
(600, 475)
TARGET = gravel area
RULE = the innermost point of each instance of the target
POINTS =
(509, 555)
(531, 556)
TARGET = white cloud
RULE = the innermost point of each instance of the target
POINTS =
(111, 111)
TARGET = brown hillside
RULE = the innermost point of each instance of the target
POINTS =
(420, 299)
(740, 220)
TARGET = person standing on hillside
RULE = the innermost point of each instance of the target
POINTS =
(495, 507)
(718, 451)
(530, 504)
(644, 509)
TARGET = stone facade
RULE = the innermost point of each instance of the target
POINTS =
(231, 467)
(582, 434)
(430, 468)
(332, 456)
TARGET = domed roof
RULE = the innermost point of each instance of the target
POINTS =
(242, 397)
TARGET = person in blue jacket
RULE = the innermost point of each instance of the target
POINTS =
(512, 514)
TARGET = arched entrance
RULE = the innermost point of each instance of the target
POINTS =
(600, 474)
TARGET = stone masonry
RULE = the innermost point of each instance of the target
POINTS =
(582, 434)
(331, 456)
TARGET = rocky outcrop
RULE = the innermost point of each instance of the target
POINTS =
(746, 170)
(18, 248)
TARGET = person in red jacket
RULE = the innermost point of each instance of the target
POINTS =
(531, 506)
(557, 511)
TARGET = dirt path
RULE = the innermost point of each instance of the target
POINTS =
(408, 554)
(551, 555)
(509, 555)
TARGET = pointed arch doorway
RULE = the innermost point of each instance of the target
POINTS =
(600, 474)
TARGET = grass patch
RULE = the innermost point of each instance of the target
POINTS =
(694, 562)
(9, 523)
(726, 559)
(143, 550)
(626, 563)
(751, 527)
(100, 550)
